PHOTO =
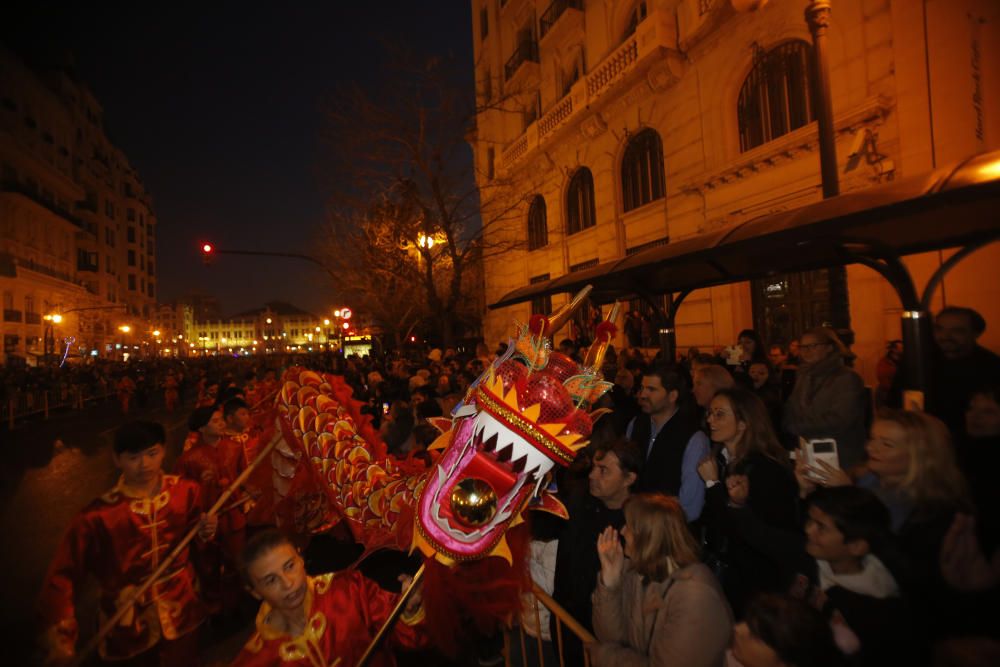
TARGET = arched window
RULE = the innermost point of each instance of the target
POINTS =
(580, 202)
(775, 98)
(538, 226)
(642, 170)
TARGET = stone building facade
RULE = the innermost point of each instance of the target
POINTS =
(77, 227)
(624, 124)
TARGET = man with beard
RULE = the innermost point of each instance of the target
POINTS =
(960, 366)
(668, 435)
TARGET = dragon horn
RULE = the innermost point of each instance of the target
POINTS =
(557, 319)
(605, 332)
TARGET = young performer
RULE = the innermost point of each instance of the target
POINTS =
(214, 461)
(121, 538)
(324, 620)
(171, 391)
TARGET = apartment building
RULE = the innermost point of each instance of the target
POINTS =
(77, 227)
(624, 125)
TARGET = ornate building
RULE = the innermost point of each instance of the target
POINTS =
(626, 124)
(77, 228)
(277, 327)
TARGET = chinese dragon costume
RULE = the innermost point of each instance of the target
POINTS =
(527, 414)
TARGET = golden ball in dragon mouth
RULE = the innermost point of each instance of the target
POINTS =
(474, 502)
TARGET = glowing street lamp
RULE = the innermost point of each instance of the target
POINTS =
(125, 328)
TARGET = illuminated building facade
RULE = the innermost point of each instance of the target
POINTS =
(277, 327)
(629, 124)
(77, 228)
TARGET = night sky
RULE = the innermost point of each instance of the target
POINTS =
(220, 107)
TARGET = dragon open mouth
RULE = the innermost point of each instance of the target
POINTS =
(479, 487)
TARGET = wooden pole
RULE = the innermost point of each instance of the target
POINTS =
(175, 552)
(391, 621)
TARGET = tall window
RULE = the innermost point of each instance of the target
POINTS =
(775, 98)
(538, 226)
(580, 202)
(636, 16)
(642, 170)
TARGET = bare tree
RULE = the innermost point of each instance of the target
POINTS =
(409, 212)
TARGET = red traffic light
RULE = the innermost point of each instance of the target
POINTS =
(207, 248)
(346, 326)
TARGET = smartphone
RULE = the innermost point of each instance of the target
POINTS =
(821, 449)
(385, 408)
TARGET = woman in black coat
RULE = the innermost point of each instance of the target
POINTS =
(748, 480)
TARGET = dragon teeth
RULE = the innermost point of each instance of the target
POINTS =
(506, 452)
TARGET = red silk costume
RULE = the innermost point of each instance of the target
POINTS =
(226, 461)
(344, 611)
(121, 539)
(217, 565)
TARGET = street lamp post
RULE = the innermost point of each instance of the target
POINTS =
(818, 18)
(49, 336)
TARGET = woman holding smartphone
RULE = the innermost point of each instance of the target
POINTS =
(655, 603)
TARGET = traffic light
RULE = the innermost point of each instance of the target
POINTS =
(207, 253)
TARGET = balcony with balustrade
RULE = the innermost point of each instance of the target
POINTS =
(653, 41)
(522, 64)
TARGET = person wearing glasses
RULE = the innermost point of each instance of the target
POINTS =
(828, 400)
(749, 489)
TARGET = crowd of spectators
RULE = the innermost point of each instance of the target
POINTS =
(705, 528)
(823, 524)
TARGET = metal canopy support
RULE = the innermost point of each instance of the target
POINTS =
(948, 265)
(916, 321)
(665, 322)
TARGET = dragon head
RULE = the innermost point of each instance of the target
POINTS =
(525, 415)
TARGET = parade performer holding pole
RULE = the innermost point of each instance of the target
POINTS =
(121, 539)
(214, 461)
(132, 540)
(326, 620)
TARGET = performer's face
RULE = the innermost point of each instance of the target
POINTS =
(238, 420)
(140, 468)
(279, 578)
(216, 426)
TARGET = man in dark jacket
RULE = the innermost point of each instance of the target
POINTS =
(667, 433)
(960, 366)
(616, 468)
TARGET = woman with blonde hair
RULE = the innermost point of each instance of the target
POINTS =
(664, 607)
(911, 468)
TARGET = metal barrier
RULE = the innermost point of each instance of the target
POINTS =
(562, 617)
(27, 403)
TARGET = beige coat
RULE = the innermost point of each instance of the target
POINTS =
(681, 622)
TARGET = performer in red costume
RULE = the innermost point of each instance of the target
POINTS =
(121, 538)
(171, 391)
(214, 461)
(318, 621)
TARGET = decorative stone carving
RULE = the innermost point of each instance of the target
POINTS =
(593, 126)
(660, 77)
